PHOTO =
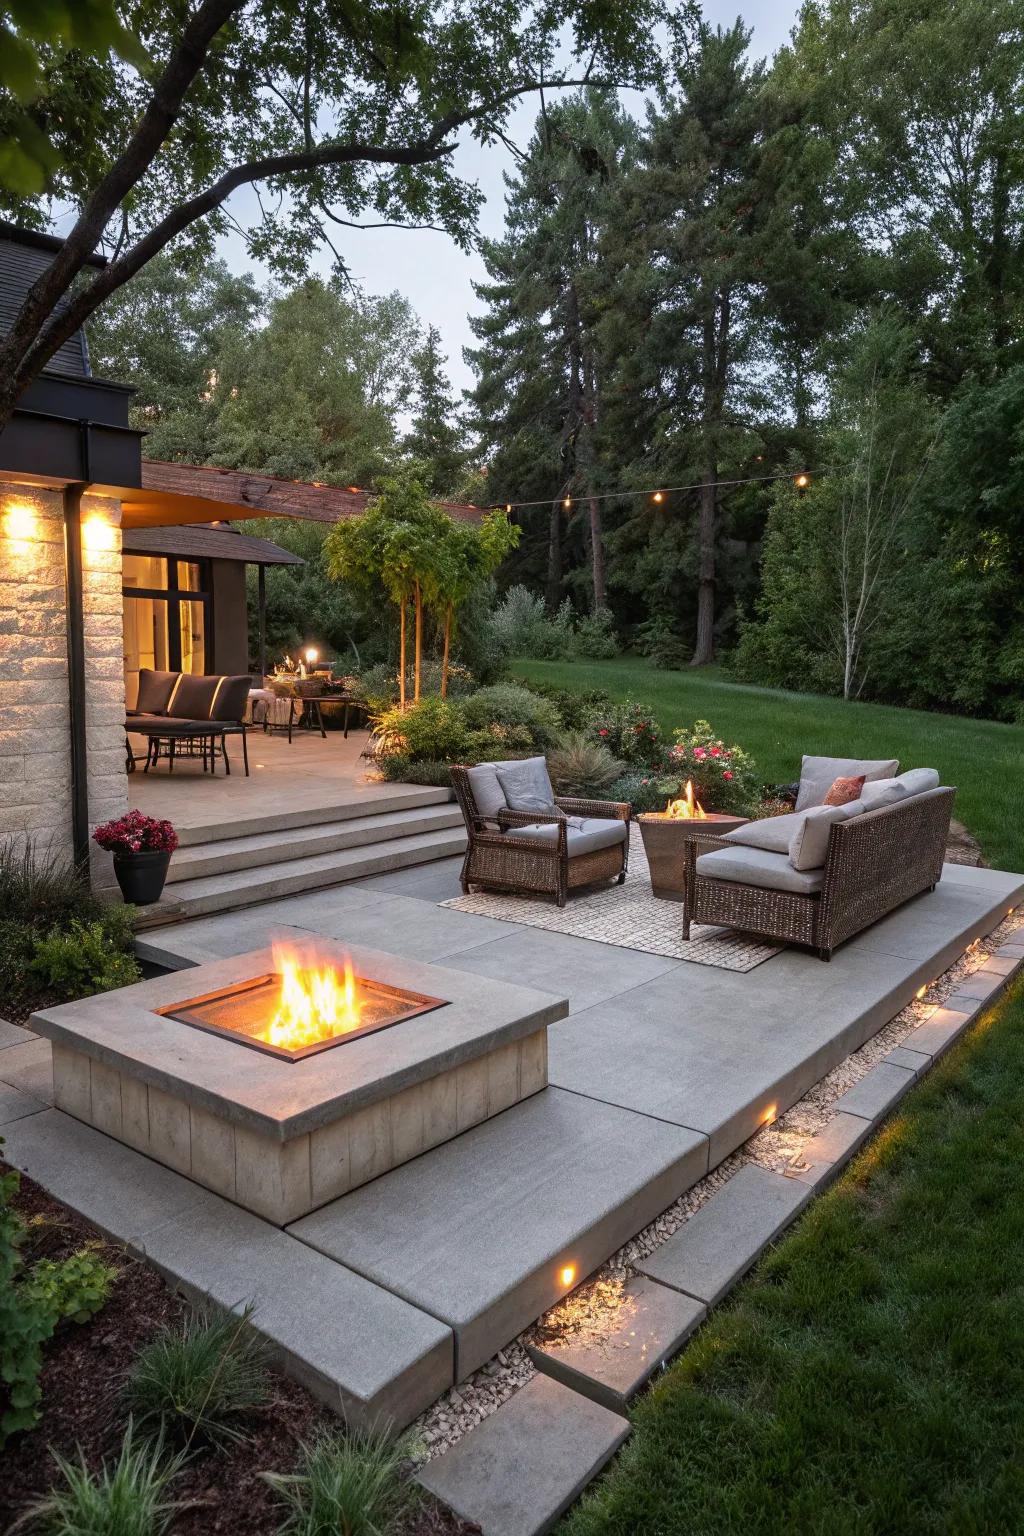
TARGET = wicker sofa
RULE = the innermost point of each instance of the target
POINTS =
(538, 843)
(875, 854)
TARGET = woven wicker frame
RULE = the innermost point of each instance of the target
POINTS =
(875, 862)
(499, 860)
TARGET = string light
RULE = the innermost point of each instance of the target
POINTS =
(658, 494)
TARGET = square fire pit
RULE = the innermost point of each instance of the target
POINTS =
(283, 1081)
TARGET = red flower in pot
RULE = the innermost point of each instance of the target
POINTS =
(142, 848)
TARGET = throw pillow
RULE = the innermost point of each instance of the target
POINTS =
(487, 792)
(844, 790)
(772, 833)
(526, 785)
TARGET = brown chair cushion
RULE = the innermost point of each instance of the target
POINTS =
(155, 689)
(193, 697)
(232, 698)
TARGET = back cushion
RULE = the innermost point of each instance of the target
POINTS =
(193, 697)
(231, 698)
(487, 792)
(155, 689)
(526, 785)
(916, 781)
(818, 774)
(809, 843)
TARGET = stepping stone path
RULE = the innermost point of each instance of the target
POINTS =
(520, 1469)
(721, 1241)
(650, 1324)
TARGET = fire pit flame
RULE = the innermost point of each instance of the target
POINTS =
(688, 808)
(314, 1003)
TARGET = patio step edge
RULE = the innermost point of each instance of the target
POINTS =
(246, 887)
(390, 797)
(280, 845)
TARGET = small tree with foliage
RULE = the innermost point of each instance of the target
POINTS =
(468, 554)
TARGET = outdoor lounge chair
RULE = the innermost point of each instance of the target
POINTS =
(179, 710)
(525, 840)
(823, 873)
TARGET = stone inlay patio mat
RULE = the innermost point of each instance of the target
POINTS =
(629, 916)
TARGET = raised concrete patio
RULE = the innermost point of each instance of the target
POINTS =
(661, 1069)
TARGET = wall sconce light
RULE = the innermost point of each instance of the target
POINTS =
(20, 523)
(98, 534)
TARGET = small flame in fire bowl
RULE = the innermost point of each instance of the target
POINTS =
(688, 808)
(306, 1005)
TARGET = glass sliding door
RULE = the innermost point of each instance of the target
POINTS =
(166, 618)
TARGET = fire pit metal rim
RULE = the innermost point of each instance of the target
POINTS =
(185, 1013)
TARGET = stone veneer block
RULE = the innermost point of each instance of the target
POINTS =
(650, 1324)
(280, 1137)
(877, 1092)
(72, 1082)
(519, 1470)
(727, 1234)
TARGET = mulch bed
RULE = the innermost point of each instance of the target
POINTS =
(82, 1380)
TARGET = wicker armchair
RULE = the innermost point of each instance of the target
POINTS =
(498, 859)
(874, 863)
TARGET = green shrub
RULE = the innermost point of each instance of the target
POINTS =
(85, 957)
(577, 708)
(644, 791)
(377, 687)
(200, 1378)
(509, 704)
(657, 640)
(352, 1484)
(126, 1499)
(498, 742)
(433, 730)
(595, 638)
(32, 1303)
(41, 888)
(399, 770)
(630, 731)
(580, 766)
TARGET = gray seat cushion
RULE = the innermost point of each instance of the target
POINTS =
(757, 866)
(585, 836)
(818, 774)
(526, 785)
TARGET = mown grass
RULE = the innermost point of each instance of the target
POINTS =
(869, 1377)
(982, 758)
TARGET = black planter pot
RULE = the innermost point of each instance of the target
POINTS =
(141, 876)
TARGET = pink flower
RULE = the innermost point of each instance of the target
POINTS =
(699, 753)
(602, 732)
(727, 774)
(715, 752)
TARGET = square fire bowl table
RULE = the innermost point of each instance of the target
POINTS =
(159, 1066)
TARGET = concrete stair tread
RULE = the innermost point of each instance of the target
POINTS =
(382, 799)
(277, 845)
(243, 887)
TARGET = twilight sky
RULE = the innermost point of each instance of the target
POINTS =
(432, 273)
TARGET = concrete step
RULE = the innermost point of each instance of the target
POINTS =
(260, 850)
(383, 799)
(245, 887)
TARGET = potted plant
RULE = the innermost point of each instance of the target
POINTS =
(142, 848)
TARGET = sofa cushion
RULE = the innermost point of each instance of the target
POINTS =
(916, 781)
(809, 843)
(770, 832)
(155, 689)
(586, 835)
(487, 791)
(231, 698)
(526, 785)
(818, 774)
(757, 866)
(193, 697)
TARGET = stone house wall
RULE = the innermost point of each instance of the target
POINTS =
(35, 769)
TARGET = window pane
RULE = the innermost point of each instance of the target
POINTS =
(190, 576)
(145, 641)
(144, 571)
(193, 637)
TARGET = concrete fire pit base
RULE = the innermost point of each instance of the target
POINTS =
(282, 1138)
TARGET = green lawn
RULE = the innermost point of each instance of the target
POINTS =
(981, 758)
(869, 1376)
